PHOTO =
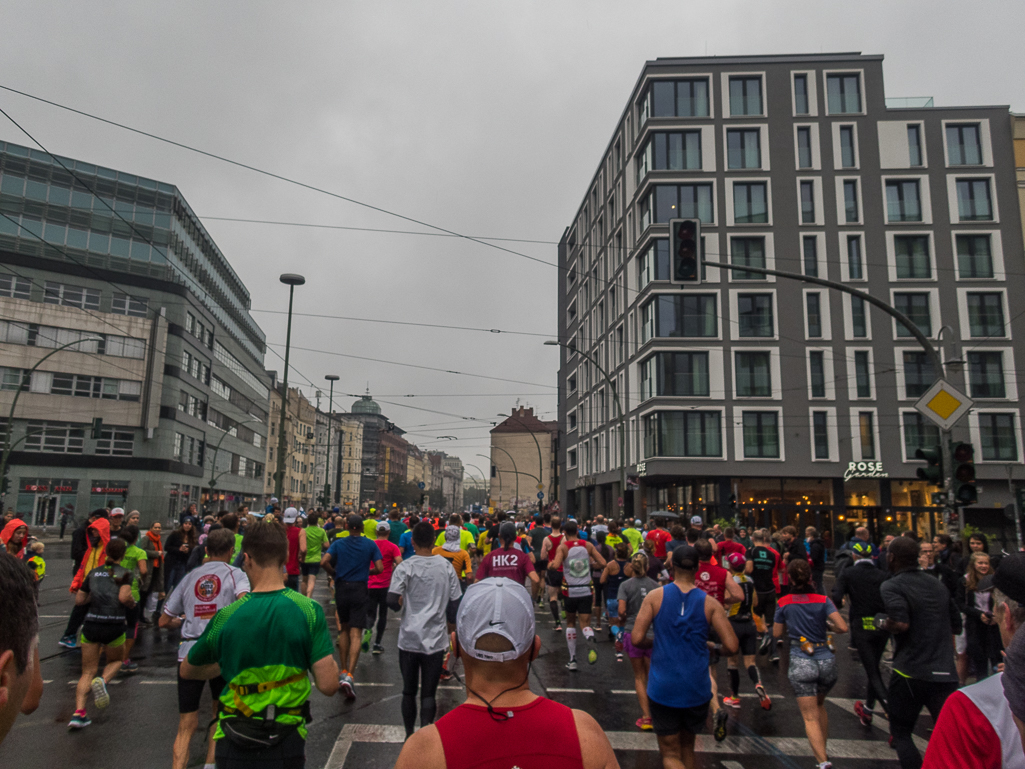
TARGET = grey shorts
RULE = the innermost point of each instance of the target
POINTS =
(809, 677)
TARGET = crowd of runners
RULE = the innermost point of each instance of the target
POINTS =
(675, 598)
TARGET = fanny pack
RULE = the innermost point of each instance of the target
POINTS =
(252, 733)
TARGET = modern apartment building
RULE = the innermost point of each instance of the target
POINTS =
(162, 347)
(768, 398)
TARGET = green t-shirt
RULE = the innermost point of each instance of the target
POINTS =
(316, 538)
(635, 537)
(265, 637)
(473, 530)
(370, 528)
(238, 548)
(131, 562)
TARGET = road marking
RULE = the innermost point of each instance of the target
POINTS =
(571, 691)
(754, 746)
(52, 616)
(878, 722)
(166, 683)
(732, 765)
(115, 681)
(367, 683)
(451, 688)
(620, 691)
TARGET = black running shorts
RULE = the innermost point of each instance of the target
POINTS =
(580, 605)
(553, 578)
(667, 720)
(352, 601)
(190, 692)
(747, 636)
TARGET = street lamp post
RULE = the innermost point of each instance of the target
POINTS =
(332, 378)
(516, 471)
(483, 479)
(291, 280)
(497, 470)
(540, 462)
(619, 411)
(217, 448)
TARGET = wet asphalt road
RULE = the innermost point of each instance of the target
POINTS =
(138, 728)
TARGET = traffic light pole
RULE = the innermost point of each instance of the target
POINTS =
(922, 339)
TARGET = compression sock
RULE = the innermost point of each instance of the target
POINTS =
(589, 633)
(735, 681)
(752, 671)
(554, 606)
(571, 642)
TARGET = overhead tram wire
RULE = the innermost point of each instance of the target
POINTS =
(405, 323)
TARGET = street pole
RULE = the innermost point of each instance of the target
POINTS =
(217, 448)
(540, 462)
(498, 470)
(484, 480)
(332, 378)
(291, 280)
(516, 504)
(619, 411)
(1017, 507)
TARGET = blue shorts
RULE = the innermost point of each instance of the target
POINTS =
(612, 608)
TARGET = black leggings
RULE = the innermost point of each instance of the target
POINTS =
(984, 647)
(906, 698)
(767, 608)
(423, 670)
(378, 605)
(870, 645)
(76, 619)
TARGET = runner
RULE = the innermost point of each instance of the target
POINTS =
(764, 565)
(502, 723)
(264, 646)
(615, 572)
(862, 582)
(191, 606)
(378, 584)
(574, 558)
(660, 536)
(553, 576)
(406, 540)
(633, 535)
(679, 691)
(455, 555)
(107, 591)
(351, 561)
(740, 616)
(428, 593)
(630, 596)
(135, 562)
(508, 561)
(600, 598)
(312, 541)
(396, 528)
(97, 536)
(466, 539)
(293, 570)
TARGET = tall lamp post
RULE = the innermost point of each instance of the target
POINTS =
(516, 472)
(332, 378)
(540, 462)
(291, 280)
(619, 411)
(497, 470)
(483, 479)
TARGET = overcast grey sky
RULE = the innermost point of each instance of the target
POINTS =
(487, 118)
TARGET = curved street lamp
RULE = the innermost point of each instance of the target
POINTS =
(291, 280)
(540, 462)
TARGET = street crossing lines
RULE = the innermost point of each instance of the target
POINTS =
(570, 691)
(877, 723)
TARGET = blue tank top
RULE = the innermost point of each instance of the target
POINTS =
(679, 659)
(615, 580)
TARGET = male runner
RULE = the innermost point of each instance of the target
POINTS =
(765, 562)
(350, 561)
(660, 536)
(540, 530)
(633, 535)
(509, 561)
(553, 576)
(295, 556)
(193, 603)
(574, 557)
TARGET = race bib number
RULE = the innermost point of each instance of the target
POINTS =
(205, 610)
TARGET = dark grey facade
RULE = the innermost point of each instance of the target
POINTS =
(750, 396)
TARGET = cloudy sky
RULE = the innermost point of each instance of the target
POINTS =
(484, 118)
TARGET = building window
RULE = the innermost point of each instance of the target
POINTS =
(71, 296)
(918, 374)
(745, 96)
(862, 374)
(754, 315)
(813, 308)
(683, 201)
(116, 443)
(916, 307)
(136, 306)
(54, 437)
(848, 157)
(985, 314)
(915, 158)
(683, 315)
(571, 420)
(753, 377)
(820, 422)
(675, 374)
(14, 287)
(973, 200)
(866, 431)
(670, 152)
(761, 434)
(747, 252)
(974, 256)
(986, 375)
(801, 106)
(919, 433)
(912, 257)
(998, 438)
(859, 318)
(855, 263)
(810, 248)
(817, 373)
(807, 202)
(804, 156)
(850, 200)
(750, 204)
(680, 98)
(843, 93)
(903, 202)
(743, 148)
(964, 148)
(683, 434)
(571, 459)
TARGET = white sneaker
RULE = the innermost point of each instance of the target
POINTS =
(571, 666)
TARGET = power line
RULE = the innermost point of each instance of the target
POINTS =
(405, 323)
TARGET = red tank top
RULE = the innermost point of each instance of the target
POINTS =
(292, 564)
(712, 579)
(541, 735)
(556, 540)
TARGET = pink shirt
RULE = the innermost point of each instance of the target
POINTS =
(389, 552)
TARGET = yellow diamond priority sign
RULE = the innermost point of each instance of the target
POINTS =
(944, 404)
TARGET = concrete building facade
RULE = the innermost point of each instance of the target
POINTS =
(299, 487)
(523, 458)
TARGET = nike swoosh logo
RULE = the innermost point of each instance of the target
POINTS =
(496, 623)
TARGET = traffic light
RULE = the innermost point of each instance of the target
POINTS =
(684, 239)
(963, 456)
(933, 471)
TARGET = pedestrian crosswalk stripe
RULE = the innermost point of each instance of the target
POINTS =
(570, 691)
(732, 765)
(166, 683)
(878, 722)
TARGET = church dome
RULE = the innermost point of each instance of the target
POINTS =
(365, 405)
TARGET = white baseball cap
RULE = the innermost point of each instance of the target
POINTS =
(117, 511)
(291, 515)
(697, 520)
(496, 605)
(383, 526)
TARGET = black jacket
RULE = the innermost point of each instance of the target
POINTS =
(817, 553)
(945, 576)
(79, 544)
(861, 582)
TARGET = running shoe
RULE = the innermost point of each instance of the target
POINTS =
(720, 725)
(619, 656)
(378, 649)
(558, 627)
(826, 765)
(79, 721)
(445, 675)
(863, 713)
(68, 642)
(347, 686)
(572, 666)
(731, 702)
(644, 724)
(592, 656)
(367, 635)
(129, 667)
(100, 695)
(774, 659)
(765, 645)
(764, 697)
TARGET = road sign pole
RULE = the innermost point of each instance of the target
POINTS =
(1016, 501)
